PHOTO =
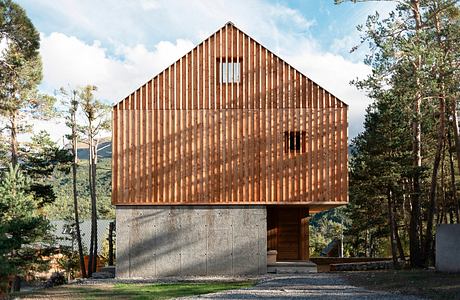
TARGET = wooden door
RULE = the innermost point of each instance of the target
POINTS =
(288, 235)
(288, 232)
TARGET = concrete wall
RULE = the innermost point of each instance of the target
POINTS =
(159, 241)
(448, 248)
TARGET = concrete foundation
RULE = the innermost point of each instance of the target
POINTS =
(447, 248)
(160, 241)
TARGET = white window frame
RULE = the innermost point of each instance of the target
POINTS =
(230, 71)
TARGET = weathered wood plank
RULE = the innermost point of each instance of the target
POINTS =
(186, 137)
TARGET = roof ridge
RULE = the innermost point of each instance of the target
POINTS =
(224, 27)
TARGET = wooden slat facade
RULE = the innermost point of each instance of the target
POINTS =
(186, 137)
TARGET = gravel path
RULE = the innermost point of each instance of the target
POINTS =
(303, 286)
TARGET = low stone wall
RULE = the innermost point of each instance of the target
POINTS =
(448, 248)
(160, 241)
(324, 263)
(363, 266)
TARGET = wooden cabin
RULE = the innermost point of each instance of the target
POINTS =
(229, 131)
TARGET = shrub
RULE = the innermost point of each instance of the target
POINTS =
(57, 278)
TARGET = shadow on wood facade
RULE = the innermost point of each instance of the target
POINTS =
(187, 137)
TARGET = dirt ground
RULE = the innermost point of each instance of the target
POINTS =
(428, 284)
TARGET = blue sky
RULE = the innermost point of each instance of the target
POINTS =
(119, 45)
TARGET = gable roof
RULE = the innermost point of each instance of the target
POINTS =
(185, 84)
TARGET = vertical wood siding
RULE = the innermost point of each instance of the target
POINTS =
(187, 138)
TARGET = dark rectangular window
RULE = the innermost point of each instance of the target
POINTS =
(294, 141)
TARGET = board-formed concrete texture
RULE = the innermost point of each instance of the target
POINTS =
(160, 241)
(447, 248)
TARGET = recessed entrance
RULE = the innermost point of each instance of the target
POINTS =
(287, 232)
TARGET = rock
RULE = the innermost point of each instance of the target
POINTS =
(362, 266)
(109, 269)
(102, 275)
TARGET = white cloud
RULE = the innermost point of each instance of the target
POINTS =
(70, 61)
(149, 4)
(290, 16)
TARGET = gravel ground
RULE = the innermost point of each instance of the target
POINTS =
(178, 279)
(303, 286)
(270, 286)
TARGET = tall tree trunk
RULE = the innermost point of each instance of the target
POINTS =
(93, 201)
(92, 263)
(453, 113)
(452, 174)
(391, 221)
(110, 240)
(444, 205)
(402, 256)
(90, 183)
(75, 195)
(14, 138)
(14, 161)
(415, 222)
(434, 182)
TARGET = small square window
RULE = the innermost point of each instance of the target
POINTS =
(230, 71)
(294, 141)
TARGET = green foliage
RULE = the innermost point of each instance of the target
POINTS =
(62, 207)
(18, 83)
(18, 29)
(4, 152)
(415, 71)
(68, 261)
(23, 230)
(322, 234)
(41, 156)
(325, 227)
(380, 162)
(96, 113)
(56, 279)
(94, 109)
(20, 74)
(105, 248)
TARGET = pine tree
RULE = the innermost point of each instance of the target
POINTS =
(19, 31)
(414, 60)
(20, 74)
(97, 120)
(71, 121)
(379, 175)
(23, 230)
(41, 157)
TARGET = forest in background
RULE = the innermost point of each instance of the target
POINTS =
(404, 167)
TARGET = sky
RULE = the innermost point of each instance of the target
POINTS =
(119, 45)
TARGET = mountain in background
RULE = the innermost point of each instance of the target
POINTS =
(104, 149)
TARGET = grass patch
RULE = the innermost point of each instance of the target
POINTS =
(132, 291)
(425, 283)
(173, 290)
